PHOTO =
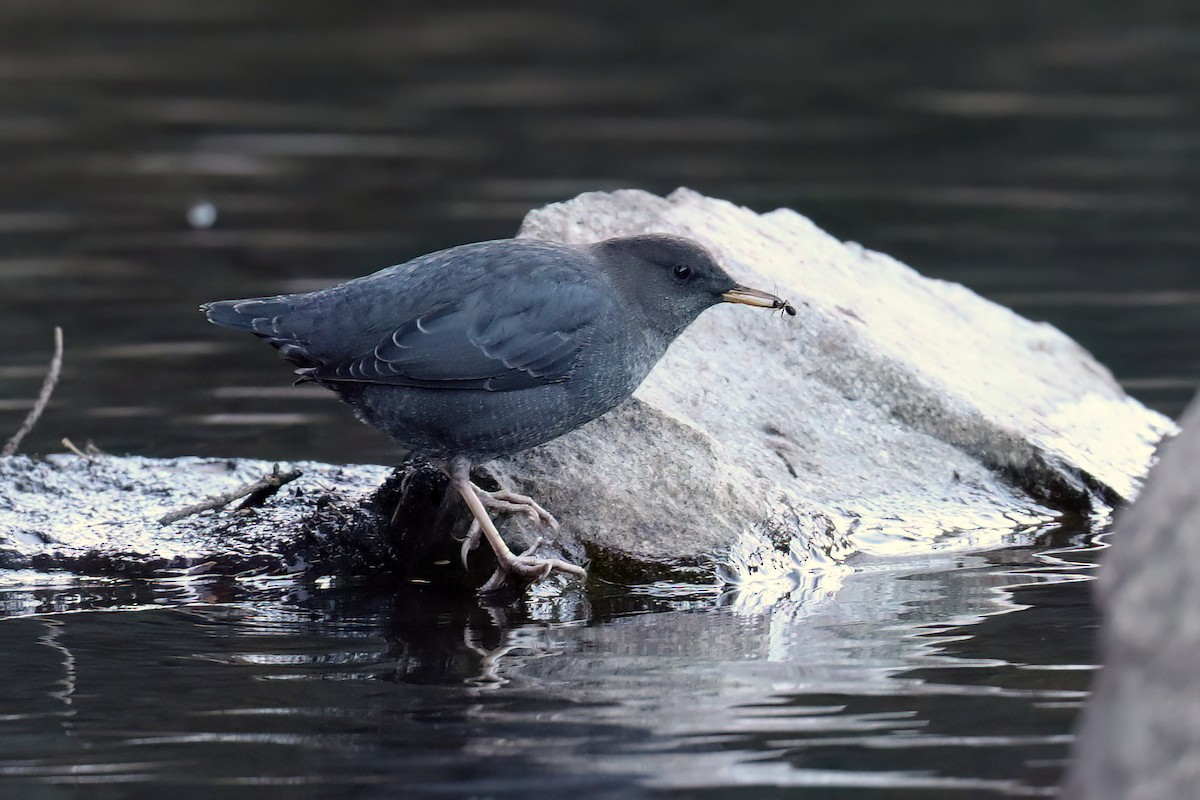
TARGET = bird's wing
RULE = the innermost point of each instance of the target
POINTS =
(498, 341)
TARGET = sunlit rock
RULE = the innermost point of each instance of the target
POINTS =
(1140, 735)
(900, 412)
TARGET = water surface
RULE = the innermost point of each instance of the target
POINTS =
(918, 677)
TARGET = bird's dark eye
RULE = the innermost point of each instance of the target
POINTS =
(683, 272)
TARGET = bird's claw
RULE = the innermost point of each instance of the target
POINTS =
(470, 542)
(530, 568)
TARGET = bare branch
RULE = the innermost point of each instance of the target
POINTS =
(39, 406)
(258, 490)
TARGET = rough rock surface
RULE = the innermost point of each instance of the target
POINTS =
(894, 413)
(1140, 735)
(899, 407)
(100, 516)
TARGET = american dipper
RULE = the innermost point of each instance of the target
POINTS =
(484, 350)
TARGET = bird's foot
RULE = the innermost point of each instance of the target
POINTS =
(510, 502)
(516, 503)
(524, 566)
(528, 567)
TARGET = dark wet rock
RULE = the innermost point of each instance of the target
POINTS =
(100, 516)
(894, 414)
(1140, 734)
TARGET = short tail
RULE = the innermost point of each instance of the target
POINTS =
(225, 313)
(266, 317)
(261, 315)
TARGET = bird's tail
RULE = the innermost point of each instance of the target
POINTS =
(259, 315)
(225, 314)
(267, 317)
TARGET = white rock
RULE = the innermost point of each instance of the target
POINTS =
(898, 407)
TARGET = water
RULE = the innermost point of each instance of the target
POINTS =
(1043, 155)
(359, 691)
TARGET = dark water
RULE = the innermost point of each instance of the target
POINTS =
(1045, 155)
(951, 677)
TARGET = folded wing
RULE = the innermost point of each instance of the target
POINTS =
(504, 342)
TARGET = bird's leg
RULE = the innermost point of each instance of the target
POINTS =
(504, 501)
(525, 565)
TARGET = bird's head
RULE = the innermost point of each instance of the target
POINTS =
(671, 279)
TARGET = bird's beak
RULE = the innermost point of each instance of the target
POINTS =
(753, 297)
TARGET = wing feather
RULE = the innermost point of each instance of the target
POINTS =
(499, 315)
(481, 342)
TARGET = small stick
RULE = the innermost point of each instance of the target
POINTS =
(39, 406)
(262, 488)
(67, 443)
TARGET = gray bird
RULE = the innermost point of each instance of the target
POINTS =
(484, 350)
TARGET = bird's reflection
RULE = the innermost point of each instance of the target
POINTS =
(440, 636)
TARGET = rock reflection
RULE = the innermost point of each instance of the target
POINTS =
(438, 637)
(862, 685)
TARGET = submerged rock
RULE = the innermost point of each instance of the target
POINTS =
(893, 414)
(1140, 734)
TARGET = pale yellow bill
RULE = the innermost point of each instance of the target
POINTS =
(754, 297)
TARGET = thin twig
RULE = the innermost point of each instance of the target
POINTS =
(67, 443)
(43, 397)
(262, 488)
(89, 451)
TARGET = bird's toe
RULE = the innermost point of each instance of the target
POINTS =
(514, 502)
(470, 542)
(528, 568)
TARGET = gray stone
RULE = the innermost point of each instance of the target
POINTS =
(1140, 735)
(894, 414)
(896, 407)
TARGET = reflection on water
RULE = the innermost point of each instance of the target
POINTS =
(913, 675)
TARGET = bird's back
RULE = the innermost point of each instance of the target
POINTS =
(341, 323)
